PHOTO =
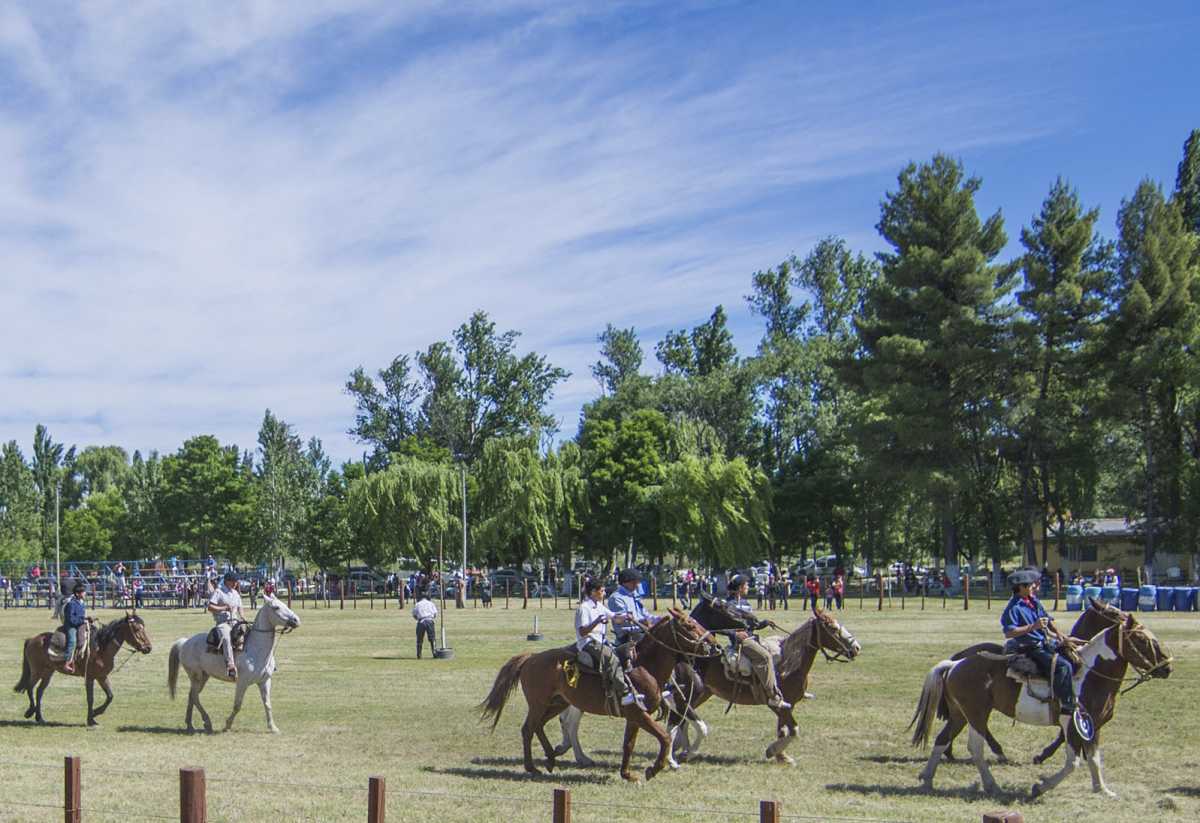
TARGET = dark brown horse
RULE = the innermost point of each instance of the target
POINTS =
(38, 667)
(973, 687)
(796, 653)
(551, 682)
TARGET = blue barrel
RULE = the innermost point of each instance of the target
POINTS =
(1074, 598)
(1165, 595)
(1147, 599)
(1179, 598)
(1192, 596)
(1091, 593)
(1111, 594)
(1129, 599)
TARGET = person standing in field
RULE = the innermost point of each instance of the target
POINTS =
(813, 587)
(838, 587)
(425, 613)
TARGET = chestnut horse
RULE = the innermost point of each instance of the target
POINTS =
(551, 684)
(973, 687)
(38, 667)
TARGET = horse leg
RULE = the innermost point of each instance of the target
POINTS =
(1047, 783)
(238, 694)
(975, 742)
(787, 731)
(940, 744)
(1049, 751)
(41, 689)
(664, 743)
(540, 730)
(569, 720)
(631, 730)
(1096, 766)
(527, 742)
(198, 681)
(108, 695)
(90, 686)
(264, 690)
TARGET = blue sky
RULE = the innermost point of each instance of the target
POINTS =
(209, 209)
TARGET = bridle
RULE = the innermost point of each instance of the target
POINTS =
(843, 654)
(1145, 669)
(675, 638)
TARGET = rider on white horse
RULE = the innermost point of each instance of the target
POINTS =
(225, 606)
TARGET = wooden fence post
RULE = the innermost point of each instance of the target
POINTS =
(562, 806)
(862, 589)
(768, 811)
(654, 592)
(524, 594)
(507, 592)
(989, 591)
(72, 791)
(289, 594)
(193, 807)
(376, 800)
(1003, 817)
(341, 594)
(1057, 588)
(879, 582)
(966, 581)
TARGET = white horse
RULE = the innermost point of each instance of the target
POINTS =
(255, 664)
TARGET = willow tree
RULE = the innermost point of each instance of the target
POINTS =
(715, 510)
(406, 510)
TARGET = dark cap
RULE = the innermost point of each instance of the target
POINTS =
(736, 582)
(230, 577)
(1024, 577)
(629, 576)
(78, 588)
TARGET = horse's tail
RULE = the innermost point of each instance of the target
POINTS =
(173, 666)
(26, 681)
(506, 681)
(931, 699)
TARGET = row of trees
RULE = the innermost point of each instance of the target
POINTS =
(934, 400)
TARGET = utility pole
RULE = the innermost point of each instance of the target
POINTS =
(57, 546)
(463, 468)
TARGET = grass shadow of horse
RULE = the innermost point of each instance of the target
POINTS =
(890, 759)
(176, 730)
(517, 774)
(1186, 791)
(714, 759)
(49, 724)
(958, 793)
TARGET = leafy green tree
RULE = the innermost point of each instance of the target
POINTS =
(101, 468)
(1151, 347)
(405, 510)
(386, 411)
(142, 529)
(208, 500)
(20, 516)
(931, 334)
(326, 539)
(620, 358)
(90, 531)
(1187, 183)
(48, 463)
(286, 480)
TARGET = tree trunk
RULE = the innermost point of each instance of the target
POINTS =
(1151, 511)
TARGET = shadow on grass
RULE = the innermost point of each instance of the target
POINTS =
(518, 775)
(961, 793)
(917, 759)
(1186, 791)
(179, 730)
(49, 724)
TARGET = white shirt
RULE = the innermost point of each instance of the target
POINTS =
(224, 596)
(585, 614)
(424, 610)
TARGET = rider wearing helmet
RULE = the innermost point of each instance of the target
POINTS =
(1030, 631)
(748, 645)
(74, 616)
(225, 605)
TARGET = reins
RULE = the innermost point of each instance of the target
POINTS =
(675, 636)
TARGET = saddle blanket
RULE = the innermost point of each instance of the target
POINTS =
(737, 665)
(56, 647)
(237, 637)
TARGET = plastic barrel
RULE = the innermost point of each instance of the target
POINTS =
(1192, 596)
(1092, 592)
(1074, 598)
(1165, 595)
(1179, 599)
(1111, 594)
(1147, 598)
(1129, 599)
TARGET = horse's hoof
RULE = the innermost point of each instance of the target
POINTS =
(561, 750)
(1035, 791)
(585, 762)
(650, 772)
(92, 722)
(533, 770)
(926, 785)
(550, 765)
(673, 765)
(785, 759)
(632, 778)
(29, 713)
(273, 729)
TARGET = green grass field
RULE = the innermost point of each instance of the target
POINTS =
(352, 701)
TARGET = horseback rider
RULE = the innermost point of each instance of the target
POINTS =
(225, 605)
(747, 643)
(591, 636)
(627, 601)
(74, 616)
(1030, 631)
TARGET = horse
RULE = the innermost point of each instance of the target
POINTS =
(38, 667)
(551, 682)
(973, 687)
(255, 664)
(695, 685)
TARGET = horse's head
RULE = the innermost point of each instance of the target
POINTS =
(1138, 647)
(133, 631)
(278, 614)
(714, 615)
(682, 634)
(834, 638)
(1096, 618)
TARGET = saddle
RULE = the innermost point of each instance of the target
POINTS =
(1023, 670)
(237, 637)
(56, 645)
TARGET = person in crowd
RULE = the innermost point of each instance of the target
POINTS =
(425, 613)
(627, 600)
(812, 586)
(838, 588)
(1028, 629)
(591, 635)
(74, 616)
(225, 605)
(748, 645)
(138, 586)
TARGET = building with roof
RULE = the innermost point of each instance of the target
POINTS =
(1098, 543)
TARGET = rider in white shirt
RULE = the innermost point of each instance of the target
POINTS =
(591, 632)
(225, 605)
(425, 613)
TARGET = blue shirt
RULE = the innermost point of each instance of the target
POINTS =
(622, 602)
(74, 613)
(1019, 613)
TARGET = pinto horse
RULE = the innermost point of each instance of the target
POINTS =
(551, 683)
(972, 688)
(38, 667)
(695, 685)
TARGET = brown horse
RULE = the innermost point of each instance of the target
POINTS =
(551, 683)
(796, 654)
(38, 667)
(973, 687)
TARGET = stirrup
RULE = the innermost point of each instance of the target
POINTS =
(1082, 722)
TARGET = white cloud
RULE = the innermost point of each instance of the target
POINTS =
(208, 212)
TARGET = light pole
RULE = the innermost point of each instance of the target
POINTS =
(57, 545)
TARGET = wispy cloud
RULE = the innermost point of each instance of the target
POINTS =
(207, 209)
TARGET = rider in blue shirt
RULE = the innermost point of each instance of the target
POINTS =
(626, 601)
(74, 616)
(1031, 631)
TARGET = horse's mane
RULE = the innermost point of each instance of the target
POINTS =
(799, 643)
(106, 632)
